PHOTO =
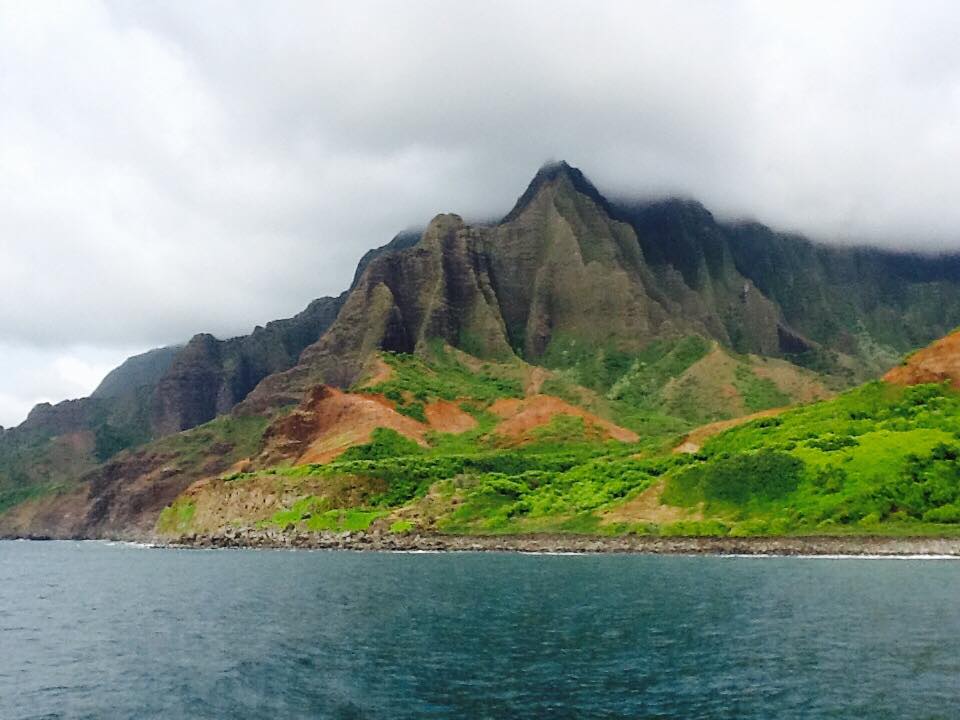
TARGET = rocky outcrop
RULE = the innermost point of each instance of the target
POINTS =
(438, 290)
(559, 272)
(380, 541)
(400, 241)
(209, 376)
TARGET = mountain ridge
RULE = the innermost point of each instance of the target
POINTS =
(567, 281)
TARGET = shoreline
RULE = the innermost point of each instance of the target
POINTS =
(574, 544)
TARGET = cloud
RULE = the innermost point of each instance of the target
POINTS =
(167, 168)
(32, 375)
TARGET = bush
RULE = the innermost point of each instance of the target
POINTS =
(763, 476)
(943, 514)
(384, 443)
(830, 479)
(401, 526)
(415, 410)
(767, 475)
(832, 443)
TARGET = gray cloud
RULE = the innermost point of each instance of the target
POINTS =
(167, 168)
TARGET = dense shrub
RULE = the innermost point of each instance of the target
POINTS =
(832, 443)
(943, 514)
(384, 443)
(762, 476)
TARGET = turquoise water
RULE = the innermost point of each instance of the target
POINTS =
(91, 630)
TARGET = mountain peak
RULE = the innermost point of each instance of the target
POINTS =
(554, 172)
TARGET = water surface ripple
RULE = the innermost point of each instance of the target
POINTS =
(92, 630)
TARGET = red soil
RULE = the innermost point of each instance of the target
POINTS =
(380, 373)
(940, 362)
(521, 416)
(330, 421)
(446, 416)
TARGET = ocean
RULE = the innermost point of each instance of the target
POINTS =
(101, 630)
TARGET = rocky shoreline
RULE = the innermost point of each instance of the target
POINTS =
(365, 541)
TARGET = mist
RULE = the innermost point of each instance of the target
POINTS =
(173, 168)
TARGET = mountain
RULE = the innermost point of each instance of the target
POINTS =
(144, 370)
(149, 396)
(644, 318)
(568, 277)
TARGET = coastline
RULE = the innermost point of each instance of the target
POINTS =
(574, 544)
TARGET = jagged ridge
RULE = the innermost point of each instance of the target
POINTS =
(567, 279)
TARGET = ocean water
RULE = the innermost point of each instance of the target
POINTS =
(94, 630)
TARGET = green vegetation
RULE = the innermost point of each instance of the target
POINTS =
(556, 483)
(548, 499)
(176, 518)
(311, 513)
(755, 478)
(758, 393)
(15, 496)
(670, 382)
(385, 443)
(877, 459)
(659, 363)
(237, 435)
(876, 455)
(415, 380)
(635, 378)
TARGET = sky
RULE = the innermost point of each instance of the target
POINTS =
(176, 167)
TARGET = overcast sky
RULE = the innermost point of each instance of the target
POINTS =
(174, 167)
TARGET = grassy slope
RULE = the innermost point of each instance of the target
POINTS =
(878, 459)
(559, 481)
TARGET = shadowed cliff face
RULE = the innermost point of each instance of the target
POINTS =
(210, 376)
(151, 396)
(559, 273)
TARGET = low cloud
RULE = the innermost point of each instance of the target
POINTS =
(167, 168)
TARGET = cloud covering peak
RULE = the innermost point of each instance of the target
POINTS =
(168, 168)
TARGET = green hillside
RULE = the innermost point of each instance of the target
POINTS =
(881, 458)
(544, 453)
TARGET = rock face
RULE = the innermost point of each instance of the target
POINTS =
(151, 396)
(400, 241)
(566, 269)
(143, 370)
(937, 363)
(209, 376)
